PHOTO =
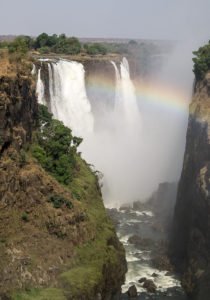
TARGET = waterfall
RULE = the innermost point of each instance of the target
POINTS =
(40, 89)
(125, 99)
(68, 98)
(33, 71)
(112, 147)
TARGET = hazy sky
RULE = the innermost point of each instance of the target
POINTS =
(159, 19)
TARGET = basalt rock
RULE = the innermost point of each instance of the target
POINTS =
(18, 109)
(150, 286)
(190, 244)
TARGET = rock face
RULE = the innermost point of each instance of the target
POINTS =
(190, 245)
(18, 108)
(65, 253)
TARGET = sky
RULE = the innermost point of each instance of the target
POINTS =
(151, 19)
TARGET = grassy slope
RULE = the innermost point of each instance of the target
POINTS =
(86, 271)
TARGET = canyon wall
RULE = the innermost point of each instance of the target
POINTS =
(190, 245)
(49, 250)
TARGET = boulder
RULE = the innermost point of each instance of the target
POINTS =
(132, 291)
(143, 279)
(150, 286)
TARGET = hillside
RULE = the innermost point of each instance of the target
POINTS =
(56, 241)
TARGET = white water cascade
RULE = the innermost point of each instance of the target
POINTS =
(114, 149)
(125, 100)
(68, 98)
(69, 101)
(40, 88)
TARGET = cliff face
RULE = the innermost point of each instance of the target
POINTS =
(190, 246)
(49, 252)
(18, 107)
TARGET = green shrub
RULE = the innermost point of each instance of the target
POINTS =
(22, 157)
(59, 201)
(201, 61)
(55, 147)
(25, 217)
(21, 45)
(95, 48)
(44, 50)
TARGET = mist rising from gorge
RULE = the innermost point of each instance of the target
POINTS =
(137, 138)
(135, 161)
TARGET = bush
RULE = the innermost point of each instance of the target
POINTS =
(201, 61)
(96, 48)
(22, 157)
(44, 50)
(21, 45)
(25, 217)
(58, 44)
(55, 147)
(59, 201)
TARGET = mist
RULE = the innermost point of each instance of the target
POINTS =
(135, 157)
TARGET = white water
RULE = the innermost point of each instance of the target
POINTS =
(68, 99)
(139, 260)
(40, 89)
(69, 102)
(125, 99)
(33, 71)
(114, 148)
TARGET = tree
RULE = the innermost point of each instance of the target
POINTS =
(20, 44)
(95, 48)
(56, 147)
(42, 40)
(201, 61)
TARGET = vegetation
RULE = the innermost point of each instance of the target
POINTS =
(37, 294)
(57, 44)
(55, 148)
(95, 48)
(25, 217)
(201, 61)
(58, 201)
(93, 260)
(61, 44)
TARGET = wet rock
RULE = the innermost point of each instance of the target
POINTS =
(143, 279)
(169, 273)
(132, 291)
(154, 275)
(150, 286)
(141, 242)
(125, 208)
(162, 262)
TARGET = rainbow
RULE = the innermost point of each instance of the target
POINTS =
(153, 94)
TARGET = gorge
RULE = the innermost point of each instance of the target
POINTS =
(114, 120)
(57, 112)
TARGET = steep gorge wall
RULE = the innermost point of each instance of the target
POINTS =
(63, 253)
(190, 246)
(18, 109)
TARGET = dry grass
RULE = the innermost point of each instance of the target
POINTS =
(6, 68)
